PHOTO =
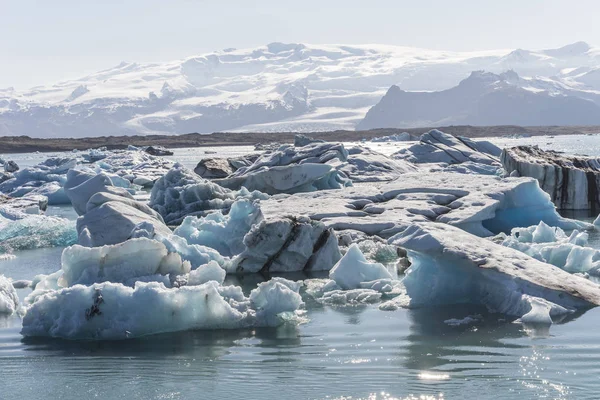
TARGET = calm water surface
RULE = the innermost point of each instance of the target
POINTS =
(340, 353)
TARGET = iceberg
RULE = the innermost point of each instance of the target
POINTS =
(80, 187)
(396, 137)
(286, 245)
(21, 207)
(112, 311)
(480, 204)
(438, 147)
(36, 231)
(366, 165)
(224, 233)
(571, 181)
(9, 301)
(445, 270)
(46, 178)
(114, 222)
(354, 269)
(205, 273)
(553, 246)
(121, 263)
(182, 193)
(307, 177)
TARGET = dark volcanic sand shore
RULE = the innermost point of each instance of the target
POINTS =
(23, 144)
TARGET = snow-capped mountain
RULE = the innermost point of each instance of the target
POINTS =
(485, 98)
(274, 88)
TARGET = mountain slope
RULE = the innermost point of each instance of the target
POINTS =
(485, 98)
(271, 88)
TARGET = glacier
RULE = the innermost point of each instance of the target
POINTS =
(276, 87)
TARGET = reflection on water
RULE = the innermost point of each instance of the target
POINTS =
(343, 351)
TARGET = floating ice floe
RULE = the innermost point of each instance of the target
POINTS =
(21, 207)
(481, 204)
(224, 233)
(216, 168)
(138, 167)
(553, 246)
(10, 166)
(9, 301)
(113, 311)
(436, 147)
(286, 245)
(46, 179)
(182, 193)
(445, 270)
(296, 169)
(396, 137)
(354, 269)
(571, 181)
(36, 231)
(127, 262)
(109, 214)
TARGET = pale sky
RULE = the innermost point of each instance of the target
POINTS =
(50, 40)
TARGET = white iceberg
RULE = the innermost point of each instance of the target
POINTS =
(182, 193)
(480, 204)
(554, 246)
(109, 311)
(439, 147)
(121, 263)
(9, 301)
(354, 269)
(224, 233)
(450, 266)
(205, 273)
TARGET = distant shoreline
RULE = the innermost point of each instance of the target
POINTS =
(25, 144)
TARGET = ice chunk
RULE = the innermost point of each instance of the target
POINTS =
(82, 192)
(552, 245)
(450, 266)
(114, 222)
(354, 268)
(18, 208)
(9, 301)
(36, 231)
(182, 193)
(396, 137)
(224, 233)
(196, 254)
(274, 297)
(208, 272)
(119, 263)
(285, 245)
(571, 181)
(480, 204)
(306, 177)
(113, 311)
(439, 147)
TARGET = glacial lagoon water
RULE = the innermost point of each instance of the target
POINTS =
(339, 353)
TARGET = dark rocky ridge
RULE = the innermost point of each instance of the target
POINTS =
(22, 144)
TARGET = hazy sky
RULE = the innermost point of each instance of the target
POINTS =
(49, 40)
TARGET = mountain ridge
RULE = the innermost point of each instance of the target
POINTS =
(280, 86)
